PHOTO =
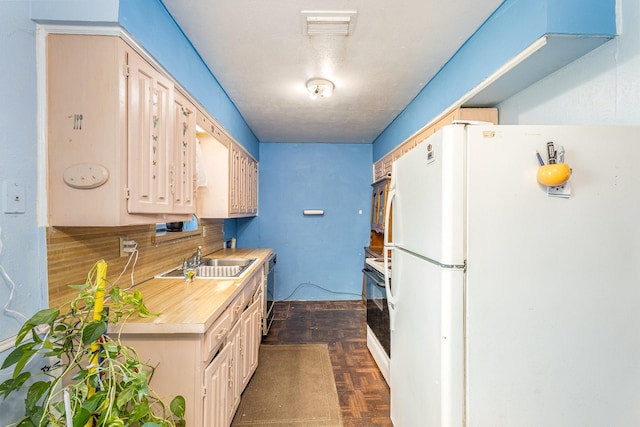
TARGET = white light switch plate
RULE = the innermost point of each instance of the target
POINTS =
(13, 197)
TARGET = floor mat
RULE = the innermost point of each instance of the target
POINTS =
(292, 386)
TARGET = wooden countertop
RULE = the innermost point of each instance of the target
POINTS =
(190, 307)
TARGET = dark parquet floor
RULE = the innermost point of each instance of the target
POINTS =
(362, 391)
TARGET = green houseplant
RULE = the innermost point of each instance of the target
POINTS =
(98, 381)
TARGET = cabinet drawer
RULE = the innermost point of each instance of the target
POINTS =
(257, 294)
(216, 334)
(236, 307)
(249, 288)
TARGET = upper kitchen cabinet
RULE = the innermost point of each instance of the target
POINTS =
(121, 139)
(382, 167)
(228, 187)
(378, 204)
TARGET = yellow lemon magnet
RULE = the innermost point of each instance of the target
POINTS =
(554, 174)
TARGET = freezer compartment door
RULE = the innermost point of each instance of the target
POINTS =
(427, 349)
(428, 208)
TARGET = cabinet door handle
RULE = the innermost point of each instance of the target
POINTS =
(194, 187)
(172, 179)
(221, 334)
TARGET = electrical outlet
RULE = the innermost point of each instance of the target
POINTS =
(13, 196)
(127, 246)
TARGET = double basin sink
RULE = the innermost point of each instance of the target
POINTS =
(213, 268)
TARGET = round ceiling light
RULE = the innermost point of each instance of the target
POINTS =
(318, 87)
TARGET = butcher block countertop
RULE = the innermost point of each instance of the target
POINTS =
(190, 307)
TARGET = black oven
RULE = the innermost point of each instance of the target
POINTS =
(377, 309)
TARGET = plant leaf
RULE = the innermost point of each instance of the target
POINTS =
(34, 335)
(24, 330)
(59, 406)
(124, 397)
(111, 347)
(94, 401)
(93, 330)
(150, 424)
(24, 359)
(16, 354)
(178, 406)
(46, 316)
(12, 384)
(36, 391)
(81, 374)
(94, 379)
(25, 422)
(139, 411)
(114, 293)
(37, 417)
(81, 418)
(6, 387)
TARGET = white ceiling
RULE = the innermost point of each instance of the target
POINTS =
(260, 55)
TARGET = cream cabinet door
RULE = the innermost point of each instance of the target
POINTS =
(235, 179)
(251, 336)
(234, 389)
(217, 377)
(252, 186)
(183, 170)
(150, 102)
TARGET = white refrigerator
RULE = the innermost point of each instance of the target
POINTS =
(512, 303)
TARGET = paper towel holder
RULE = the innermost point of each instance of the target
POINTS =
(313, 212)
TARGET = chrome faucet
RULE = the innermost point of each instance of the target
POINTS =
(194, 260)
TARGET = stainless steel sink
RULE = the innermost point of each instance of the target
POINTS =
(212, 268)
(227, 262)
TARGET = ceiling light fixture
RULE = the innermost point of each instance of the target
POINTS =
(318, 87)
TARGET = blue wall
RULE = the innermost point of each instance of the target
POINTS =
(313, 251)
(22, 242)
(511, 28)
(23, 258)
(600, 88)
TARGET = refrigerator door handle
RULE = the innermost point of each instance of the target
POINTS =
(387, 214)
(391, 300)
(389, 247)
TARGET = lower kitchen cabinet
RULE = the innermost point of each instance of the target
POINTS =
(209, 369)
(244, 339)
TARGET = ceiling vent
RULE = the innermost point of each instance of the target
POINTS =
(328, 23)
